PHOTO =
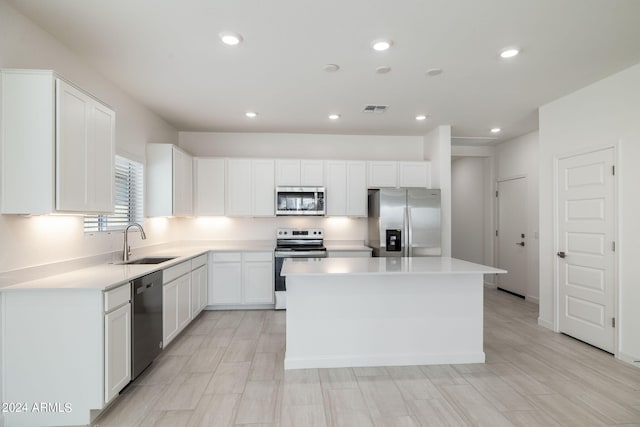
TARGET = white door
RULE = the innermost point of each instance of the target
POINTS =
(258, 282)
(512, 235)
(336, 187)
(356, 188)
(263, 188)
(117, 354)
(586, 223)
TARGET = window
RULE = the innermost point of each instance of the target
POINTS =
(129, 196)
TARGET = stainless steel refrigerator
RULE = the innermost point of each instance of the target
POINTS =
(404, 222)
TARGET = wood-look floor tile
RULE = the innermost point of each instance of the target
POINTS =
(271, 343)
(518, 379)
(216, 410)
(172, 419)
(204, 360)
(202, 326)
(533, 418)
(443, 375)
(230, 319)
(435, 413)
(370, 371)
(267, 366)
(240, 351)
(218, 337)
(474, 407)
(347, 408)
(382, 396)
(307, 416)
(335, 378)
(132, 407)
(163, 370)
(499, 393)
(565, 411)
(184, 392)
(184, 345)
(413, 383)
(229, 378)
(258, 402)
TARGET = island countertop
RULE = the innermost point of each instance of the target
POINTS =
(383, 266)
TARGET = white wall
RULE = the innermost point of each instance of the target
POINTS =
(437, 148)
(468, 208)
(514, 158)
(606, 113)
(303, 146)
(40, 240)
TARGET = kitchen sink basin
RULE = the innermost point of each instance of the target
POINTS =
(151, 260)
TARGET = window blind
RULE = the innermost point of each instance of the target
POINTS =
(129, 199)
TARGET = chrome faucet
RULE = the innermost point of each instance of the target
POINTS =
(127, 249)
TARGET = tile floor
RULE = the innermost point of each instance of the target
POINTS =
(226, 369)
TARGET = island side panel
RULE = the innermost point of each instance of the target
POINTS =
(383, 320)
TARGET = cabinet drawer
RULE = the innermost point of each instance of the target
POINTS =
(116, 297)
(198, 261)
(227, 257)
(176, 271)
(258, 256)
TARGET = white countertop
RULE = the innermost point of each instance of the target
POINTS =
(105, 276)
(377, 266)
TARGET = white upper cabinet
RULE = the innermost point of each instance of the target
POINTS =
(346, 185)
(250, 189)
(208, 186)
(391, 174)
(304, 173)
(73, 135)
(414, 174)
(382, 174)
(169, 181)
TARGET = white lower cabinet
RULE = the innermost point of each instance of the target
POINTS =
(241, 278)
(117, 351)
(176, 300)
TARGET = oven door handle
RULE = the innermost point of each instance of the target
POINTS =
(301, 254)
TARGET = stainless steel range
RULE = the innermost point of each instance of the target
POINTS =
(301, 244)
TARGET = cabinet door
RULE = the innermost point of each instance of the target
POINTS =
(382, 174)
(184, 301)
(258, 282)
(169, 312)
(312, 173)
(263, 188)
(239, 187)
(226, 283)
(101, 158)
(117, 351)
(336, 186)
(288, 172)
(72, 121)
(182, 183)
(198, 290)
(356, 188)
(208, 187)
(414, 174)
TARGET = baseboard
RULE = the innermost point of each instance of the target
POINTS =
(240, 307)
(632, 360)
(534, 300)
(545, 323)
(382, 360)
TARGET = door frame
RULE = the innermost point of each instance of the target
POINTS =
(616, 236)
(496, 224)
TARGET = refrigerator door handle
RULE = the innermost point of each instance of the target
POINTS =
(410, 234)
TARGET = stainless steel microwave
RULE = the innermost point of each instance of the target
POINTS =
(300, 201)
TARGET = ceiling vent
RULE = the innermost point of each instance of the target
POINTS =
(375, 109)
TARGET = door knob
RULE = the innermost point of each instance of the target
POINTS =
(562, 254)
(520, 243)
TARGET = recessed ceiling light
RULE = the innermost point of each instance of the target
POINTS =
(230, 38)
(251, 114)
(381, 44)
(421, 117)
(509, 52)
(331, 68)
(383, 69)
(495, 130)
(432, 72)
(334, 116)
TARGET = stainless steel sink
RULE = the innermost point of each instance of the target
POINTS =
(151, 260)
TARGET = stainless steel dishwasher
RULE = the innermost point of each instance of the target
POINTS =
(146, 327)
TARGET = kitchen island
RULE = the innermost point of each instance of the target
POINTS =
(346, 312)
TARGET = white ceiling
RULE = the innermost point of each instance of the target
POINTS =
(166, 54)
